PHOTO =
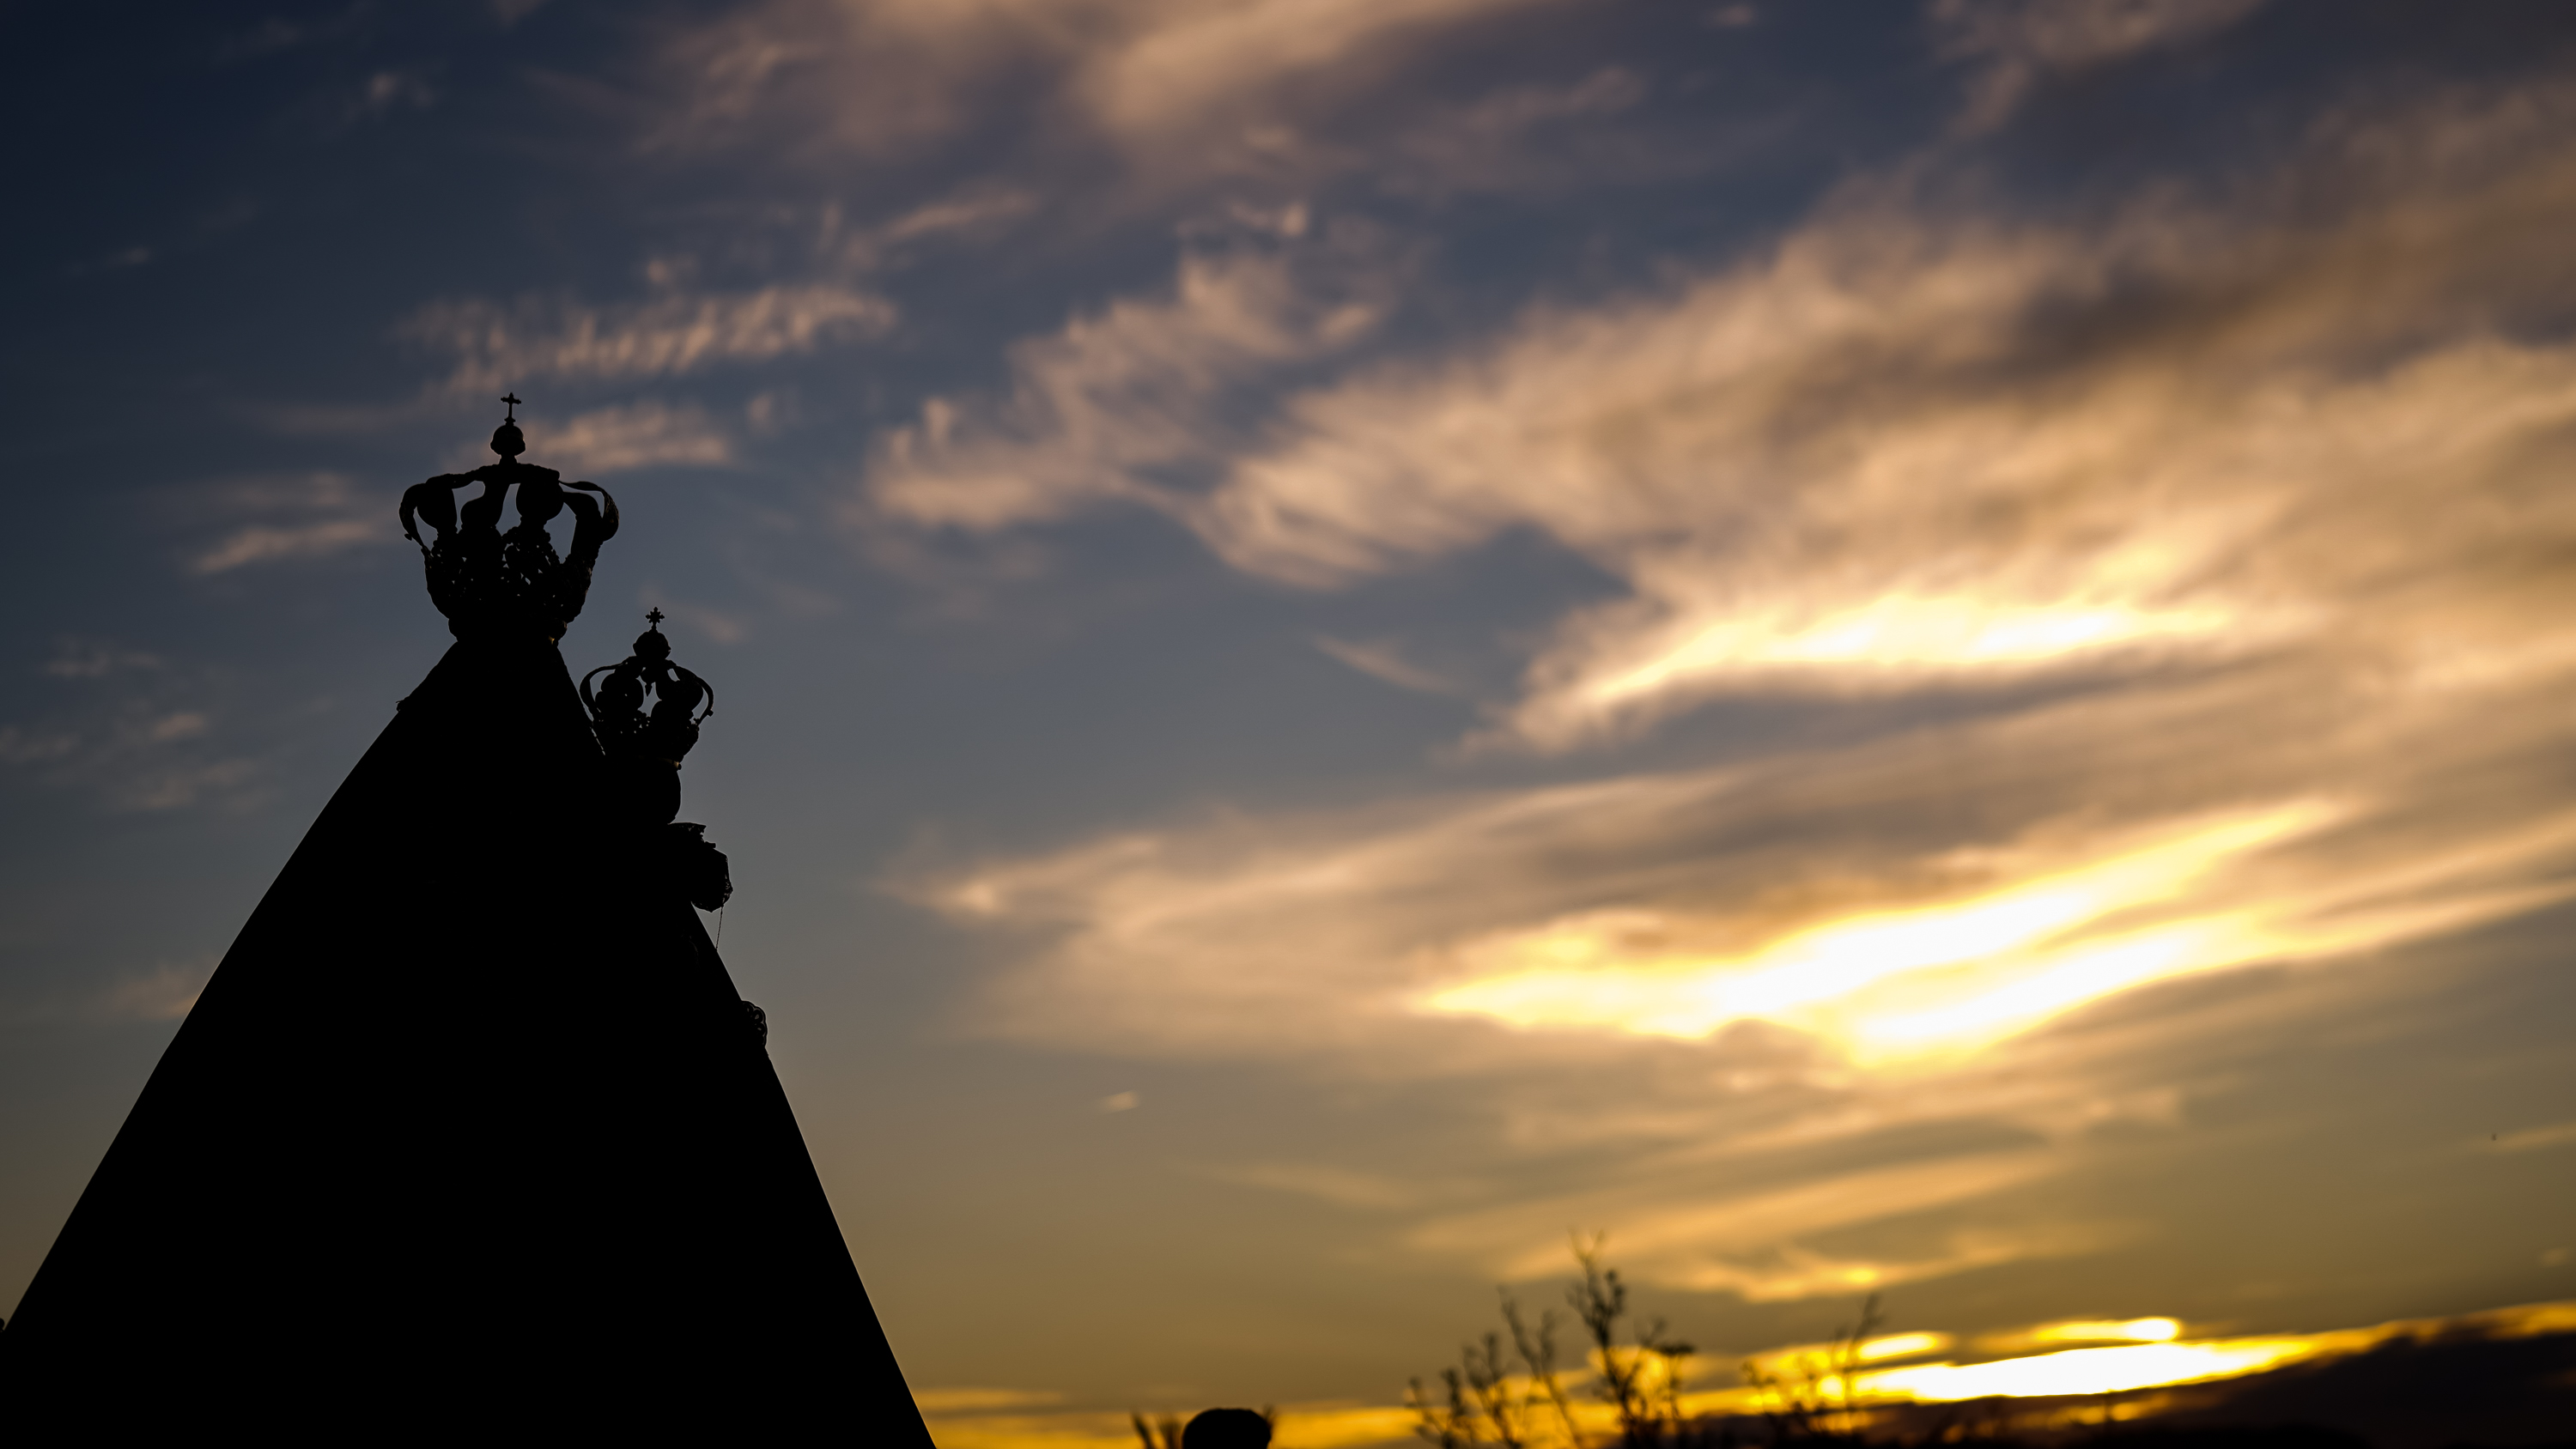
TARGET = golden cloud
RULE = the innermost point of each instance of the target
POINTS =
(2230, 527)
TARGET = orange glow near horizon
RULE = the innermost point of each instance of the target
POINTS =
(1887, 985)
(2111, 1370)
(2154, 1357)
(2133, 1330)
(2166, 1364)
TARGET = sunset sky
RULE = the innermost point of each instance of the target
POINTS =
(1900, 647)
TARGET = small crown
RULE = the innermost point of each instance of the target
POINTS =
(646, 749)
(491, 583)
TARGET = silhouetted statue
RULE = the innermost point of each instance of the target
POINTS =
(430, 1156)
(1227, 1429)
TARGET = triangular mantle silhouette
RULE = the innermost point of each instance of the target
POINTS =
(470, 1127)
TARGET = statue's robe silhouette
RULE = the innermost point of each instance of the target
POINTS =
(469, 1133)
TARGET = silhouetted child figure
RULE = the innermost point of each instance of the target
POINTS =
(1227, 1429)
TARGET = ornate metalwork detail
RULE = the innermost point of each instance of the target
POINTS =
(617, 708)
(642, 781)
(488, 582)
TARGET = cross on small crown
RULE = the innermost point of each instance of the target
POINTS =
(512, 415)
(654, 618)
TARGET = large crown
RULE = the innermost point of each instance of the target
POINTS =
(489, 583)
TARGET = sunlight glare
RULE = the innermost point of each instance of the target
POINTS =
(1909, 634)
(2088, 1370)
(2133, 1330)
(1889, 984)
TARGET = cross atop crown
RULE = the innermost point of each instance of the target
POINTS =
(511, 415)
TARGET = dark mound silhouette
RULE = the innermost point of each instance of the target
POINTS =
(2417, 1393)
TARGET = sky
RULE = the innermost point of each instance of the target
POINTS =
(1912, 648)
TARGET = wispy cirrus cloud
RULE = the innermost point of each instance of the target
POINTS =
(1127, 400)
(979, 211)
(2018, 44)
(670, 335)
(1383, 659)
(164, 992)
(2238, 592)
(1910, 446)
(79, 658)
(133, 730)
(1693, 1229)
(1098, 113)
(1173, 86)
(300, 516)
(1181, 68)
(1925, 895)
(1497, 143)
(621, 436)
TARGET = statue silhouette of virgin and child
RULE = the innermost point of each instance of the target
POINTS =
(497, 586)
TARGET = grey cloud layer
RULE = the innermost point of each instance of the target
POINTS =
(665, 336)
(1176, 89)
(1907, 444)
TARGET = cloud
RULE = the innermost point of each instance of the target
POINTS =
(1381, 660)
(387, 91)
(134, 729)
(310, 516)
(871, 79)
(262, 543)
(672, 335)
(717, 625)
(2018, 43)
(1909, 447)
(972, 1400)
(2531, 1139)
(1165, 93)
(1127, 397)
(164, 994)
(979, 211)
(171, 787)
(622, 436)
(1530, 138)
(1687, 1230)
(1916, 899)
(1185, 65)
(24, 747)
(274, 34)
(1340, 1186)
(2236, 599)
(97, 658)
(1969, 508)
